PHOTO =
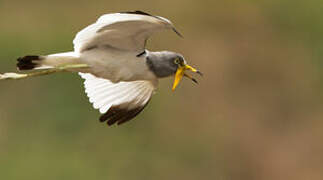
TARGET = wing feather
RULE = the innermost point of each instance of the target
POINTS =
(118, 102)
(124, 31)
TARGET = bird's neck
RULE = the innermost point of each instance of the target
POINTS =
(159, 64)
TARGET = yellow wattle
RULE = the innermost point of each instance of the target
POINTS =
(178, 76)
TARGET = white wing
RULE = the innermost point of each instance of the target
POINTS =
(125, 31)
(118, 102)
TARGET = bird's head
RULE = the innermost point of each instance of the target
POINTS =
(182, 66)
(166, 63)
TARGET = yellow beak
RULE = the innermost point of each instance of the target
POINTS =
(181, 72)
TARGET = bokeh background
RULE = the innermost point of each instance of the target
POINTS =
(256, 114)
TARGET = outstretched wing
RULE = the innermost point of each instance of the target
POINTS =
(118, 102)
(125, 31)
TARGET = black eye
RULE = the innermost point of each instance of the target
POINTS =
(177, 61)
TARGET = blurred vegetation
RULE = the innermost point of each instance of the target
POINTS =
(257, 113)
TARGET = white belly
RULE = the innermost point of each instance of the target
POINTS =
(117, 65)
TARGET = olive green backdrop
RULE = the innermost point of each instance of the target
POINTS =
(256, 114)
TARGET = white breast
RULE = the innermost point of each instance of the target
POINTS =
(117, 65)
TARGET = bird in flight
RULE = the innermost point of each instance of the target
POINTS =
(120, 74)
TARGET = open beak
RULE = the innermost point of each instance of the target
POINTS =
(181, 72)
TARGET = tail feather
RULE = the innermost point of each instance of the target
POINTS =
(28, 62)
(49, 61)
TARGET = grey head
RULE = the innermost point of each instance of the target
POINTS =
(164, 63)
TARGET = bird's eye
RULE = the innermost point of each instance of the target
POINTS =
(176, 61)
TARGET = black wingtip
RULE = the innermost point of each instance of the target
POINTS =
(178, 33)
(147, 14)
(141, 54)
(136, 12)
(118, 115)
(27, 62)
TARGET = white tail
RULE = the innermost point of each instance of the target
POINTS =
(45, 62)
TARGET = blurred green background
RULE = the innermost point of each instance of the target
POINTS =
(257, 113)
